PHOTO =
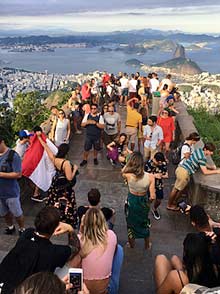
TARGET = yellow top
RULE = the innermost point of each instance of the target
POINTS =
(133, 117)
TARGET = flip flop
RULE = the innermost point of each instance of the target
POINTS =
(173, 209)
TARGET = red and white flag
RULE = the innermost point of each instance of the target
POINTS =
(36, 164)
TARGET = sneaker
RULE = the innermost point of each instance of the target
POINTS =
(9, 231)
(21, 231)
(78, 132)
(156, 214)
(38, 198)
(95, 161)
(84, 162)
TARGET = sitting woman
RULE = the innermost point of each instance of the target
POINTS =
(118, 150)
(138, 206)
(98, 245)
(61, 193)
(196, 267)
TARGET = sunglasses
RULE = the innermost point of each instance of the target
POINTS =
(61, 113)
(93, 108)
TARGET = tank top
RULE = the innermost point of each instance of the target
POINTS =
(140, 185)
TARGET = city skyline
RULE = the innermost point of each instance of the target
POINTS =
(100, 16)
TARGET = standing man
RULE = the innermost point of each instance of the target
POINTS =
(124, 89)
(133, 121)
(94, 123)
(153, 136)
(10, 205)
(112, 125)
(132, 87)
(183, 172)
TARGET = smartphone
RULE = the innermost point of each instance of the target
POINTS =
(76, 279)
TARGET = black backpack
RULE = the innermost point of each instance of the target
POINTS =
(8, 162)
(176, 153)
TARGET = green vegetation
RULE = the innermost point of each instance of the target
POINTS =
(185, 88)
(28, 111)
(208, 126)
(214, 88)
(6, 117)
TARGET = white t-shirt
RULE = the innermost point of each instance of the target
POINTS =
(124, 83)
(132, 86)
(186, 149)
(154, 84)
(167, 82)
(111, 123)
(21, 148)
(156, 135)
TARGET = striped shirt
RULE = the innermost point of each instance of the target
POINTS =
(196, 160)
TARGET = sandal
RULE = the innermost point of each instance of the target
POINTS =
(175, 209)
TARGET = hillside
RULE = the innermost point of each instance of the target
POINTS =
(181, 65)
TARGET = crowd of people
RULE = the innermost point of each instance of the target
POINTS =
(92, 242)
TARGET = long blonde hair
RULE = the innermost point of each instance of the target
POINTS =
(135, 165)
(94, 231)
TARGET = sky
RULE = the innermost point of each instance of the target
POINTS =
(193, 16)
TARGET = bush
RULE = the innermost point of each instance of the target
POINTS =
(208, 126)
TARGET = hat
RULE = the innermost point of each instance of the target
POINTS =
(24, 133)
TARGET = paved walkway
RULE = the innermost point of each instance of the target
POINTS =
(167, 234)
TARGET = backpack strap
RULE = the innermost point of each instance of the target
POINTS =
(61, 168)
(10, 157)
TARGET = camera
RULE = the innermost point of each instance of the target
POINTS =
(76, 279)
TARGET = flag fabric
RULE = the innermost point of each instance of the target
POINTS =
(36, 164)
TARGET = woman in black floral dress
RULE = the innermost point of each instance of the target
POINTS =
(61, 193)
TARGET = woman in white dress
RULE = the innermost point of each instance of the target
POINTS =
(62, 131)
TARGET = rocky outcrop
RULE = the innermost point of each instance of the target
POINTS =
(133, 62)
(179, 52)
(181, 65)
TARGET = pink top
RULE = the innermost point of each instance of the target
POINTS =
(85, 92)
(98, 264)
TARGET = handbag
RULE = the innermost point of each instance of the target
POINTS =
(113, 154)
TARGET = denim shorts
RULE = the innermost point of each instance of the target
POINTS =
(92, 142)
(12, 205)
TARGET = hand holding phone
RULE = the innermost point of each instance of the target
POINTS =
(76, 279)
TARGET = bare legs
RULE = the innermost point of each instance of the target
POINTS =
(9, 220)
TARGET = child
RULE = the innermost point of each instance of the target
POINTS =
(158, 167)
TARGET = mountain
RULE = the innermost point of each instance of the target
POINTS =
(179, 52)
(133, 62)
(180, 65)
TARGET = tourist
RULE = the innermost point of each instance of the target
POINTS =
(132, 87)
(62, 129)
(133, 121)
(23, 142)
(86, 91)
(94, 91)
(186, 169)
(34, 252)
(112, 128)
(144, 113)
(168, 82)
(94, 123)
(61, 193)
(94, 198)
(74, 104)
(10, 204)
(105, 80)
(153, 136)
(118, 150)
(158, 167)
(196, 267)
(53, 121)
(164, 93)
(166, 122)
(169, 103)
(188, 146)
(98, 245)
(124, 89)
(154, 83)
(137, 206)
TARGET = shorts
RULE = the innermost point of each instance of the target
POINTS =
(92, 142)
(159, 194)
(182, 178)
(75, 114)
(131, 132)
(132, 95)
(149, 153)
(107, 139)
(12, 205)
(124, 92)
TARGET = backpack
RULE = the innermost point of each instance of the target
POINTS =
(8, 161)
(176, 153)
(60, 181)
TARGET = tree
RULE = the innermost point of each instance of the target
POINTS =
(6, 131)
(28, 111)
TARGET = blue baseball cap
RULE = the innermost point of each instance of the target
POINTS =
(24, 133)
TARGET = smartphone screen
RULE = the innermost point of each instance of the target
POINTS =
(76, 280)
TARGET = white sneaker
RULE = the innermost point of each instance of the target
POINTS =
(78, 132)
